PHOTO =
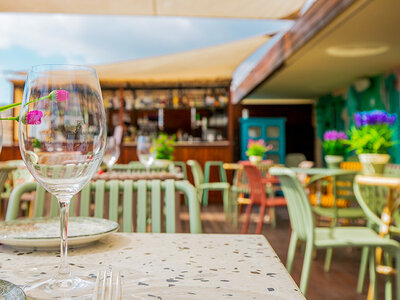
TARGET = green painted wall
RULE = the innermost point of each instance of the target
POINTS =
(336, 111)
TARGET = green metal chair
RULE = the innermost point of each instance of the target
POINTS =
(373, 199)
(342, 191)
(133, 196)
(5, 171)
(303, 228)
(207, 170)
(202, 186)
(137, 167)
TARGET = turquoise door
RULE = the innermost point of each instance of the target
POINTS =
(271, 130)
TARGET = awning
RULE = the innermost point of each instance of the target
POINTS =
(210, 64)
(254, 9)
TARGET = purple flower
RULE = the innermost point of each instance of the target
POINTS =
(255, 142)
(59, 95)
(358, 119)
(374, 117)
(33, 117)
(333, 135)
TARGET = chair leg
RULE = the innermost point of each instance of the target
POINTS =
(305, 273)
(226, 203)
(363, 269)
(205, 197)
(261, 219)
(328, 259)
(388, 278)
(246, 221)
(397, 276)
(373, 287)
(234, 205)
(291, 251)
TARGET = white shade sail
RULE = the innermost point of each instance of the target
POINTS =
(215, 63)
(253, 9)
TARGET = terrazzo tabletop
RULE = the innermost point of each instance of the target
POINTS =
(168, 266)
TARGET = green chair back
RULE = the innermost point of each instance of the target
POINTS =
(301, 216)
(151, 200)
(197, 172)
(137, 167)
(372, 200)
(392, 170)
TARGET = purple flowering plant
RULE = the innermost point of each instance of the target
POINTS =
(372, 132)
(34, 117)
(257, 148)
(334, 142)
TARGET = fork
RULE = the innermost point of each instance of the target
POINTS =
(108, 286)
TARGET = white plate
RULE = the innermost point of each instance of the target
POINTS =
(45, 232)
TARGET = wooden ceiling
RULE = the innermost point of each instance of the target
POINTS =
(300, 64)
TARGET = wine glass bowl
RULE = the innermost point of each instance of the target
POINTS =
(111, 153)
(145, 148)
(62, 132)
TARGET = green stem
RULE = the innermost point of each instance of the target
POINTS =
(3, 108)
(6, 107)
(38, 99)
(11, 118)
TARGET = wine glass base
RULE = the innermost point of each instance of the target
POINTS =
(72, 287)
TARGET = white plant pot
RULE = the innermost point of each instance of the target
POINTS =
(333, 161)
(255, 159)
(373, 163)
(162, 163)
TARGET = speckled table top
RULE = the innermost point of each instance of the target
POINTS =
(169, 266)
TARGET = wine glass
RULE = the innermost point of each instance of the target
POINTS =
(146, 150)
(111, 153)
(62, 109)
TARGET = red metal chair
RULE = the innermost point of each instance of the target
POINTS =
(258, 196)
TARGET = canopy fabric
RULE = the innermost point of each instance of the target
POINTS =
(215, 63)
(254, 9)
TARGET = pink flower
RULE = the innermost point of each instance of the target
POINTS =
(59, 95)
(33, 117)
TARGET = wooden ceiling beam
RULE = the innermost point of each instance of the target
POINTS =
(319, 15)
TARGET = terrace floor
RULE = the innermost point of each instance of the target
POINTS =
(339, 283)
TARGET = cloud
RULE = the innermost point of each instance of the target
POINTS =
(100, 39)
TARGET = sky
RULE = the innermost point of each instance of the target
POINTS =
(32, 39)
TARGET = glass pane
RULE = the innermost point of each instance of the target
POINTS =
(274, 157)
(273, 131)
(254, 131)
(275, 144)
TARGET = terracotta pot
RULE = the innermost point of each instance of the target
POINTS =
(333, 161)
(255, 159)
(373, 163)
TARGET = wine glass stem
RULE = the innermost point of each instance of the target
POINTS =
(63, 269)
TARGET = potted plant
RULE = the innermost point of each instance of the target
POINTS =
(371, 137)
(334, 146)
(164, 150)
(256, 150)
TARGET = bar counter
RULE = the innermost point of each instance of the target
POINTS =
(198, 150)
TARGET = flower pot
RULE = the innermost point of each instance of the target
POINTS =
(255, 159)
(162, 163)
(333, 161)
(373, 163)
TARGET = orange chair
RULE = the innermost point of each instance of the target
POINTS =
(258, 196)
